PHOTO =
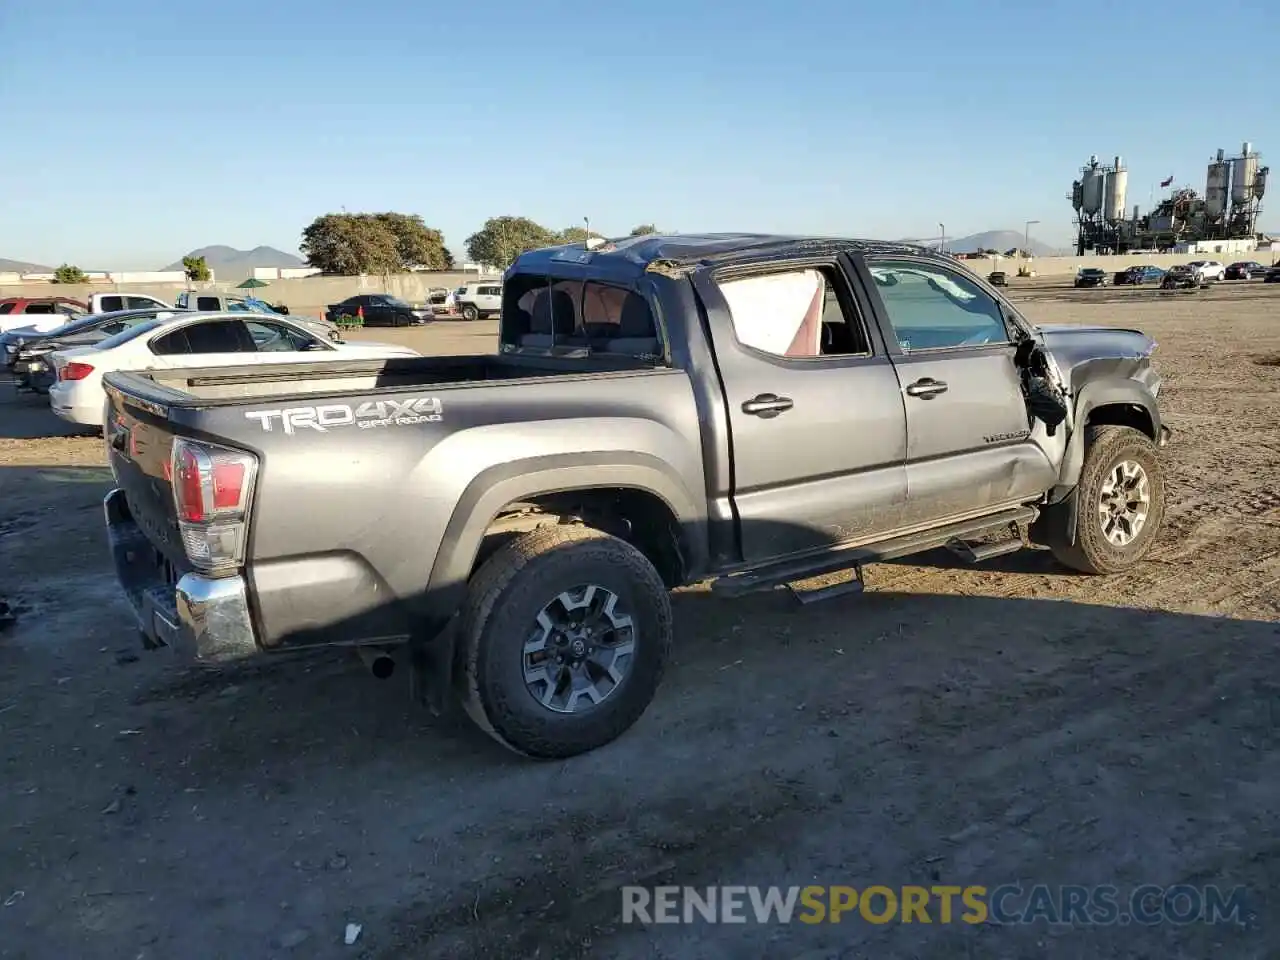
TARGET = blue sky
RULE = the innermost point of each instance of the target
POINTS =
(136, 130)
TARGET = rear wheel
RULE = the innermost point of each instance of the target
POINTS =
(563, 641)
(1119, 504)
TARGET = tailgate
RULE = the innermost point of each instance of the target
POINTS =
(138, 448)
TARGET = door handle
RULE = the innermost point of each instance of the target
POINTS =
(927, 388)
(767, 405)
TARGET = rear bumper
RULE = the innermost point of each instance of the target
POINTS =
(203, 617)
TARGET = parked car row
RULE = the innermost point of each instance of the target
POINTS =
(471, 301)
(68, 363)
(1195, 273)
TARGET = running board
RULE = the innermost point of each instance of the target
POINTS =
(977, 552)
(850, 558)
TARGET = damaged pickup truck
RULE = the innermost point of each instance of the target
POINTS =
(750, 410)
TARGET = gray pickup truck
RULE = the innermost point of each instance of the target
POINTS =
(751, 410)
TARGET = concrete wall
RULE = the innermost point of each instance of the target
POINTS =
(310, 295)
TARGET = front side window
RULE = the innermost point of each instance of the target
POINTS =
(931, 308)
(39, 308)
(796, 314)
(210, 303)
(111, 304)
(140, 303)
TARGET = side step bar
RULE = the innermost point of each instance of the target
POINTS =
(851, 558)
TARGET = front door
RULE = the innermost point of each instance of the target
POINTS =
(814, 410)
(969, 442)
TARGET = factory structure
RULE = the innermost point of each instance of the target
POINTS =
(1224, 220)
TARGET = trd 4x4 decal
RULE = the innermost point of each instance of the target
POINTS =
(367, 415)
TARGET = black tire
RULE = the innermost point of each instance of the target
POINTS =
(1106, 447)
(470, 313)
(503, 602)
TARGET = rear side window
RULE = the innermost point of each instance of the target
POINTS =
(110, 304)
(797, 314)
(39, 308)
(213, 336)
(208, 303)
(139, 303)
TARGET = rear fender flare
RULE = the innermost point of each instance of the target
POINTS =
(505, 483)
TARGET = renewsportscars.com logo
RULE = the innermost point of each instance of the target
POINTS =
(367, 415)
(1065, 905)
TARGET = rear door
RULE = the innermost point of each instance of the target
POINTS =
(969, 444)
(816, 419)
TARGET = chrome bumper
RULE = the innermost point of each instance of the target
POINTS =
(204, 617)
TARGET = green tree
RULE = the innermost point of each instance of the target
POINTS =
(348, 244)
(577, 235)
(196, 269)
(644, 230)
(417, 245)
(69, 274)
(502, 239)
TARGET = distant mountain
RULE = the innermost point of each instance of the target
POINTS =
(228, 260)
(1000, 240)
(21, 266)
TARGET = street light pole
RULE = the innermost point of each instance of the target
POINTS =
(1026, 239)
(942, 237)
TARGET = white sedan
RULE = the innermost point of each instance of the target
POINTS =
(193, 340)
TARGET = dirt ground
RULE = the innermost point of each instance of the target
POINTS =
(1012, 723)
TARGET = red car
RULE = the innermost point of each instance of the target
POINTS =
(46, 305)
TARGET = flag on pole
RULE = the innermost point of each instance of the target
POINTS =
(1165, 183)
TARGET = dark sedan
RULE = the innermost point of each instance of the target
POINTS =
(1245, 270)
(1273, 274)
(1092, 277)
(378, 310)
(26, 351)
(1138, 275)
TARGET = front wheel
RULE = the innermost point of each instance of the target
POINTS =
(1119, 504)
(470, 313)
(563, 641)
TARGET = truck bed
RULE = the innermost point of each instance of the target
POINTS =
(223, 386)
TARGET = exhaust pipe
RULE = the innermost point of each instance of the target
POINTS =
(380, 663)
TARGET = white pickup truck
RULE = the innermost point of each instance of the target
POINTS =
(115, 302)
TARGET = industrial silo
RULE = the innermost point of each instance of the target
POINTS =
(1092, 188)
(1215, 188)
(1244, 172)
(1117, 188)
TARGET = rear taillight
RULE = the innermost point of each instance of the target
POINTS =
(75, 371)
(212, 487)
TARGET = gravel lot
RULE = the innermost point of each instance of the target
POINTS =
(1010, 723)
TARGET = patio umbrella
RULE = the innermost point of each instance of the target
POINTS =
(253, 283)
